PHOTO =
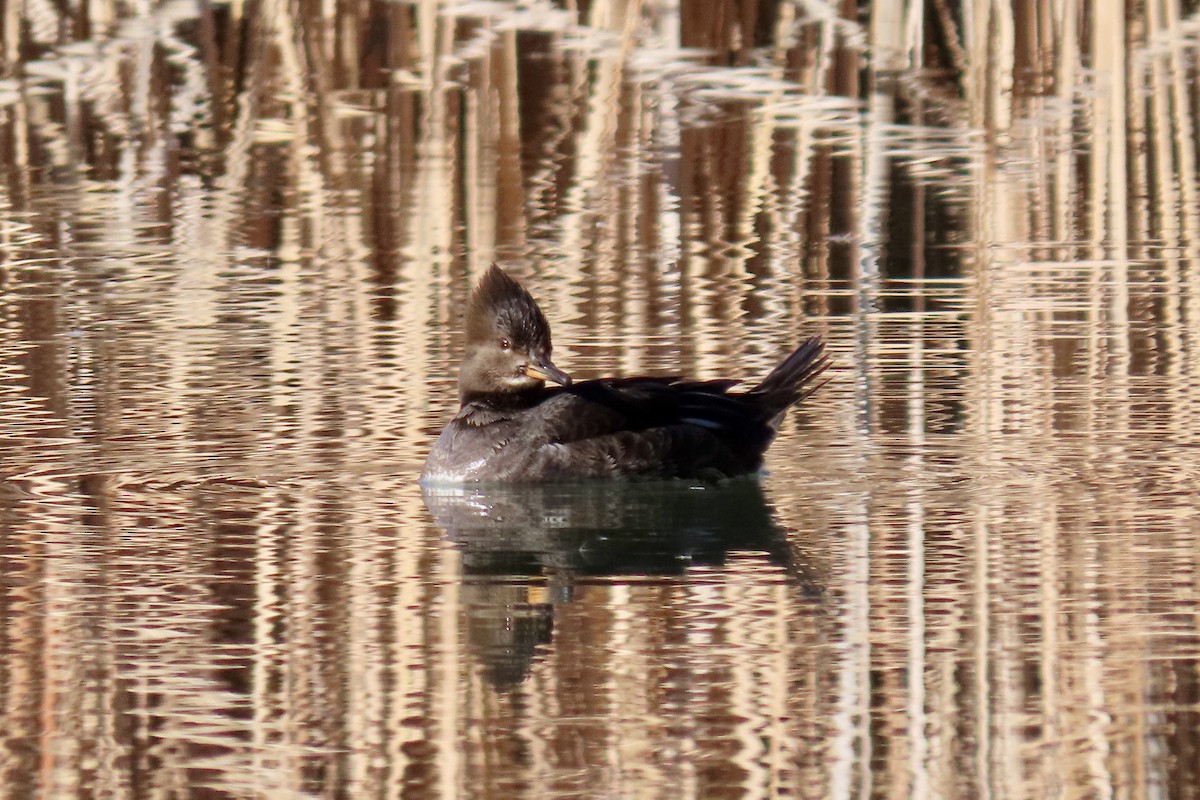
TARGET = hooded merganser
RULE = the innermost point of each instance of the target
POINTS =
(511, 428)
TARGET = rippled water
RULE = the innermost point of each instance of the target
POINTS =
(234, 246)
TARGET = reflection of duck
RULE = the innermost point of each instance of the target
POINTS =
(511, 428)
(524, 547)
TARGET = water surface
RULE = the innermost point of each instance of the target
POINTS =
(235, 243)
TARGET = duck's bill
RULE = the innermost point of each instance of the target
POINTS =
(546, 371)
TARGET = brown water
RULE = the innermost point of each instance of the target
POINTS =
(235, 242)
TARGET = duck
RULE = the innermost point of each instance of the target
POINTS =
(512, 428)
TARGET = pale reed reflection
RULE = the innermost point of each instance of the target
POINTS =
(235, 242)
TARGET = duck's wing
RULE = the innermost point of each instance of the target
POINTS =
(653, 427)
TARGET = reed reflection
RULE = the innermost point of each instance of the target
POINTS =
(526, 549)
(235, 240)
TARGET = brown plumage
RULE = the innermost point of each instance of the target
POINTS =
(512, 428)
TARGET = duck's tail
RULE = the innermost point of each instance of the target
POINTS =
(791, 381)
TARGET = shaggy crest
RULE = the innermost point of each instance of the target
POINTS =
(500, 304)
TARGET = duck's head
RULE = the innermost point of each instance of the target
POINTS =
(508, 341)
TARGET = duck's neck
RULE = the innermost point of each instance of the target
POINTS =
(487, 408)
(501, 401)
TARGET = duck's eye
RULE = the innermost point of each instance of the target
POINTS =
(505, 344)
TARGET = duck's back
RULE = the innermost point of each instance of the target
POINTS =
(635, 427)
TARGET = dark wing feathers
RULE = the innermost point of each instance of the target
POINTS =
(664, 427)
(640, 404)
